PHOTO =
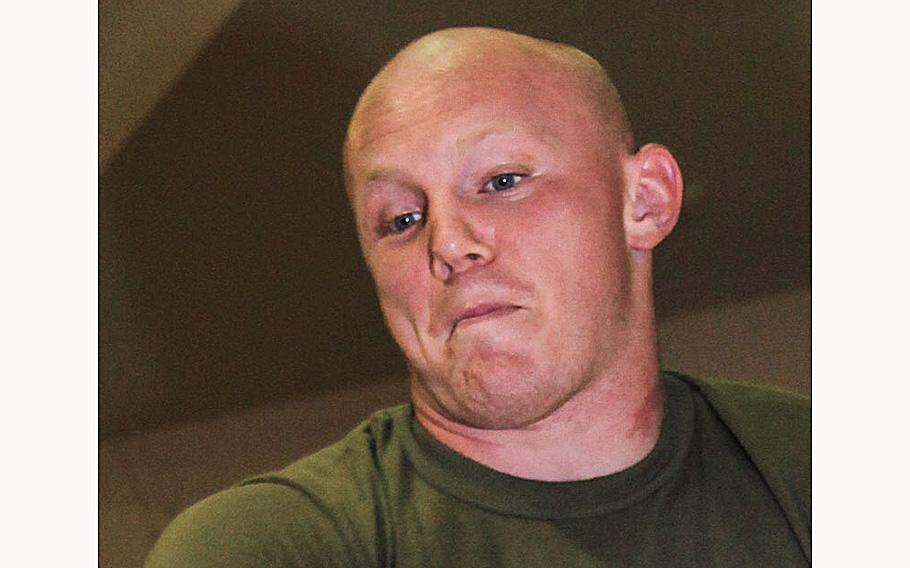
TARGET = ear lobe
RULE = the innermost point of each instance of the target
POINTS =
(654, 199)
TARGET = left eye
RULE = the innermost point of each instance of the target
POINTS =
(502, 182)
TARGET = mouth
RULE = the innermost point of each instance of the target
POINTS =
(482, 313)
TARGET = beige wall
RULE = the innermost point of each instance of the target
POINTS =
(144, 45)
(147, 478)
(767, 340)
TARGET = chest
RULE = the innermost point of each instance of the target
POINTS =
(715, 510)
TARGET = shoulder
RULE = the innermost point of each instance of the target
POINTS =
(254, 525)
(321, 510)
(766, 416)
(353, 459)
(774, 428)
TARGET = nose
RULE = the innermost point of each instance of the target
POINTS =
(456, 244)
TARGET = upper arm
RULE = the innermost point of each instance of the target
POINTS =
(261, 524)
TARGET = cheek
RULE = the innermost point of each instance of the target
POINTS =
(571, 245)
(402, 287)
(569, 226)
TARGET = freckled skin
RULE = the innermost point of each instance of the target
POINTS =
(562, 384)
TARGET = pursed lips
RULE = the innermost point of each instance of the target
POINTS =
(482, 312)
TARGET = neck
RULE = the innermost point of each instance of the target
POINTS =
(610, 425)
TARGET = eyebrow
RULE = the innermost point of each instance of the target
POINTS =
(515, 129)
(382, 174)
(478, 137)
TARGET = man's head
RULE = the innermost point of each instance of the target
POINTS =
(506, 221)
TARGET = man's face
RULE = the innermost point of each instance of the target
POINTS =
(489, 209)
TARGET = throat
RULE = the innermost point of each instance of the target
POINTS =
(601, 434)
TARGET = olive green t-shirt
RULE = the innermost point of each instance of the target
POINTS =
(389, 494)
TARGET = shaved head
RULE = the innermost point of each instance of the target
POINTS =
(493, 172)
(475, 53)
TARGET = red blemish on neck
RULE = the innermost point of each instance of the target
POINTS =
(646, 419)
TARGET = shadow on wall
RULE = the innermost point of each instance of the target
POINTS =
(230, 271)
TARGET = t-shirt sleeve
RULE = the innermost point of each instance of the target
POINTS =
(261, 524)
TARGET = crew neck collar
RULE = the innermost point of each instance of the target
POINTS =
(467, 480)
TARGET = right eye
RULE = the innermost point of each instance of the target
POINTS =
(405, 221)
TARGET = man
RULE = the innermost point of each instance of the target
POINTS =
(509, 222)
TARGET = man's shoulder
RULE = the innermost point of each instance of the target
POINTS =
(760, 412)
(320, 507)
(774, 428)
(236, 527)
(369, 447)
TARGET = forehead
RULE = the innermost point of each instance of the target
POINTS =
(425, 107)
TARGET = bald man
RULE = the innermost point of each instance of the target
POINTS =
(508, 221)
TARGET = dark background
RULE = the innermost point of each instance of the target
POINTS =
(229, 269)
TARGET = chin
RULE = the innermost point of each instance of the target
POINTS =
(505, 394)
(506, 413)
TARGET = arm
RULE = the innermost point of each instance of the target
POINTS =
(263, 524)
